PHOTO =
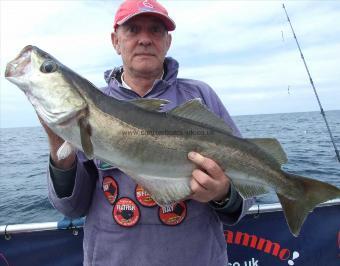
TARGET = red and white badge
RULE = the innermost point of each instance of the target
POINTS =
(173, 214)
(143, 197)
(126, 212)
(110, 188)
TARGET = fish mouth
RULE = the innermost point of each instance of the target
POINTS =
(19, 66)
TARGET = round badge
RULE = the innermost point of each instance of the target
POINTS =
(110, 189)
(173, 214)
(143, 197)
(126, 212)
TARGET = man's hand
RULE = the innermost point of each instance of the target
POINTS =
(55, 142)
(209, 181)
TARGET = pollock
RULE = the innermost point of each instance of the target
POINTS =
(152, 146)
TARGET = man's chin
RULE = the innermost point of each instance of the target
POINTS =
(148, 68)
(146, 60)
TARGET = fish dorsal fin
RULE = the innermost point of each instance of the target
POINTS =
(272, 147)
(196, 111)
(150, 104)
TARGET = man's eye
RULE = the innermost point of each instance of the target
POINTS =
(133, 29)
(157, 29)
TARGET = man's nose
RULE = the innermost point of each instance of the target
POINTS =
(145, 38)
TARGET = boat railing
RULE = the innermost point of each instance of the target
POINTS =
(66, 223)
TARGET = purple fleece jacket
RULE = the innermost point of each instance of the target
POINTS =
(198, 237)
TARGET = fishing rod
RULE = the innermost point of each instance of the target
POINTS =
(312, 83)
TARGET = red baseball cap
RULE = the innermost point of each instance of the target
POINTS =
(131, 8)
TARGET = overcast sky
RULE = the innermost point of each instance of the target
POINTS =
(244, 49)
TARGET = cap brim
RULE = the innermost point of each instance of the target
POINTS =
(168, 22)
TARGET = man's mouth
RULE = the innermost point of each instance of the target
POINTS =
(144, 54)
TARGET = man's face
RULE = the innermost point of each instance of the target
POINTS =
(143, 43)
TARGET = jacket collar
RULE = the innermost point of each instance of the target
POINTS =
(113, 78)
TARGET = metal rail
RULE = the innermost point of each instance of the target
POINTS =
(263, 208)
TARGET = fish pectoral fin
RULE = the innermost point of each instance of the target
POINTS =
(65, 150)
(85, 137)
(250, 190)
(313, 192)
(150, 104)
(196, 111)
(272, 147)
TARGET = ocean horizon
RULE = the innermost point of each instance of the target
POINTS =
(233, 116)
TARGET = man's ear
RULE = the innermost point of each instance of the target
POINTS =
(168, 42)
(115, 42)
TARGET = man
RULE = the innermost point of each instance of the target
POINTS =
(124, 226)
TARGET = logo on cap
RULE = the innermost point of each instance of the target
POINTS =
(147, 4)
(126, 212)
(110, 188)
(173, 214)
(143, 197)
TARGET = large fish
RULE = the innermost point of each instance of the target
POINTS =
(152, 146)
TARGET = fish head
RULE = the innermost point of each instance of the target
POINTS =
(47, 84)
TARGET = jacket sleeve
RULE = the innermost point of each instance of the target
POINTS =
(73, 201)
(228, 214)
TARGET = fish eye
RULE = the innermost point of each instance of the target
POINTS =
(48, 66)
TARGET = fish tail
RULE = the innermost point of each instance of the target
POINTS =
(313, 192)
